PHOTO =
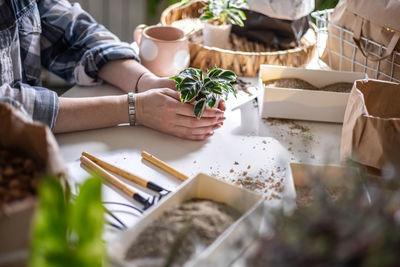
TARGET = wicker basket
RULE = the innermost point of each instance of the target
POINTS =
(243, 63)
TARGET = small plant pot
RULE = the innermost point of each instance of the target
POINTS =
(216, 35)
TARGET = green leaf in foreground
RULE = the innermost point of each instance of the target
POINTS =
(66, 232)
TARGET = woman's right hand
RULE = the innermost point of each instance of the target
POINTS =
(161, 109)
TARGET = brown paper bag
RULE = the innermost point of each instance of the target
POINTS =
(371, 127)
(378, 21)
(18, 133)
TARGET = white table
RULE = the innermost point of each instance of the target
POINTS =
(245, 138)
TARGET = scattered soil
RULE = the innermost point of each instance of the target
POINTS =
(305, 194)
(295, 128)
(181, 231)
(255, 184)
(18, 177)
(295, 83)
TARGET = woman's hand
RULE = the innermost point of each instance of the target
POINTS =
(162, 110)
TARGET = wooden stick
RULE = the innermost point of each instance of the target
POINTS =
(107, 176)
(161, 164)
(116, 170)
(114, 181)
(131, 177)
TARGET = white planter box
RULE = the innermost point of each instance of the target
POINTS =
(228, 246)
(303, 104)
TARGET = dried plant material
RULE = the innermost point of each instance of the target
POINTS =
(179, 232)
(248, 167)
(231, 170)
(289, 149)
(244, 173)
(236, 163)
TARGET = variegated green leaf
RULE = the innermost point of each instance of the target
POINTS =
(199, 107)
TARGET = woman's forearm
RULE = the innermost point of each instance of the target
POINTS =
(123, 74)
(77, 114)
(129, 75)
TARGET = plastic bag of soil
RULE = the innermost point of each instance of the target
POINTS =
(28, 150)
(277, 33)
(283, 9)
(371, 126)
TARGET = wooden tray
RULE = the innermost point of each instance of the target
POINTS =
(243, 63)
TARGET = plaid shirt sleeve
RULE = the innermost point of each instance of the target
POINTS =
(74, 46)
(39, 103)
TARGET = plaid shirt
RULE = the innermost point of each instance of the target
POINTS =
(59, 36)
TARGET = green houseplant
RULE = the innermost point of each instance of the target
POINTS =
(219, 15)
(204, 89)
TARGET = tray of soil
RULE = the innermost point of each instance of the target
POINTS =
(241, 56)
(334, 180)
(305, 94)
(27, 151)
(206, 222)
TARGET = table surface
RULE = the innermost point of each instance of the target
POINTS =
(260, 148)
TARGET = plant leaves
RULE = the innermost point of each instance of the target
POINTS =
(189, 89)
(199, 107)
(211, 100)
(190, 73)
(207, 16)
(67, 233)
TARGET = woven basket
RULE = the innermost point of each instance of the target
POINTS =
(243, 63)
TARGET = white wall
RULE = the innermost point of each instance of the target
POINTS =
(119, 16)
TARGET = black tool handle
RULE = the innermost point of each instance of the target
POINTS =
(154, 187)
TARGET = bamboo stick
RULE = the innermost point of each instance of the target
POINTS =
(161, 164)
(108, 176)
(131, 177)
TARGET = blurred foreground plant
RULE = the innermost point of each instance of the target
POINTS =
(360, 228)
(66, 232)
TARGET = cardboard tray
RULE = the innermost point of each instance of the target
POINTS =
(229, 245)
(302, 104)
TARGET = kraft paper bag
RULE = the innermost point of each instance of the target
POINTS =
(35, 140)
(371, 127)
(378, 21)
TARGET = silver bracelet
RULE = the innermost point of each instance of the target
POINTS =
(132, 110)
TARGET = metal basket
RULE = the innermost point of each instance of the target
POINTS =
(322, 21)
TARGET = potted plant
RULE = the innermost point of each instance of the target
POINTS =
(204, 89)
(219, 15)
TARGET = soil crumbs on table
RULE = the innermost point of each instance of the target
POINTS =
(18, 177)
(295, 128)
(181, 231)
